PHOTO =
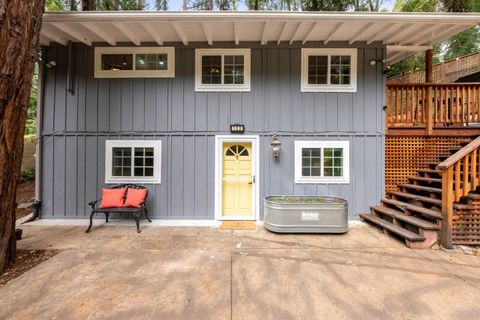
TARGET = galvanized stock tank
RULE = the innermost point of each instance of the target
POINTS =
(305, 214)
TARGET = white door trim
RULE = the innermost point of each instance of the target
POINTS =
(219, 140)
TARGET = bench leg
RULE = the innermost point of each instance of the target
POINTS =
(146, 214)
(90, 226)
(137, 221)
(106, 216)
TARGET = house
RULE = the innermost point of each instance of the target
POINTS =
(213, 111)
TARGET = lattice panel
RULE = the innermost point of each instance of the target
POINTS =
(405, 155)
(466, 225)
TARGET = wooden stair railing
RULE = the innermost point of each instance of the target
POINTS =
(460, 175)
(428, 105)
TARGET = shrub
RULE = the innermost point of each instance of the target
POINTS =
(27, 175)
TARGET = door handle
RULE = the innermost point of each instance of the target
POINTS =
(252, 181)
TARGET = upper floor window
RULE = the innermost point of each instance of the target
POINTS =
(321, 161)
(134, 62)
(133, 161)
(329, 70)
(222, 70)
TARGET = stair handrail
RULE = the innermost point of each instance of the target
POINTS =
(457, 183)
(459, 155)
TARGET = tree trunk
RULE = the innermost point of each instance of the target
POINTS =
(20, 23)
(89, 5)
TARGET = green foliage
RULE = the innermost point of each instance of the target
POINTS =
(31, 124)
(120, 5)
(61, 5)
(461, 44)
(416, 5)
(27, 175)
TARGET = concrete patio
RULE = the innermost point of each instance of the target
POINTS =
(206, 273)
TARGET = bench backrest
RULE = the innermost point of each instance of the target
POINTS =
(130, 186)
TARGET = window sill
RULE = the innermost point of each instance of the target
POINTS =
(133, 180)
(329, 89)
(322, 181)
(222, 89)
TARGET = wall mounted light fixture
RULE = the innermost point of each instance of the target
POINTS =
(275, 146)
(374, 62)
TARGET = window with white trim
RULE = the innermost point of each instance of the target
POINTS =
(133, 161)
(322, 162)
(329, 70)
(222, 70)
(134, 62)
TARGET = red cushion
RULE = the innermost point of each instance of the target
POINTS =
(112, 198)
(135, 197)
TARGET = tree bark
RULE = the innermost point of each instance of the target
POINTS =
(89, 5)
(20, 23)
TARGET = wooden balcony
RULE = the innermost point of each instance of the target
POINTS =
(433, 109)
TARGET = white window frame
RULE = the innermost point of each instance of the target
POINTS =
(299, 145)
(169, 73)
(352, 87)
(157, 161)
(199, 53)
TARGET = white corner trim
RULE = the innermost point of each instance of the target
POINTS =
(169, 73)
(199, 86)
(157, 161)
(306, 87)
(300, 144)
(219, 140)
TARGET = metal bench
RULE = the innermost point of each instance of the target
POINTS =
(136, 212)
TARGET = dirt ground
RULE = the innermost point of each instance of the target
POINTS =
(25, 193)
(26, 260)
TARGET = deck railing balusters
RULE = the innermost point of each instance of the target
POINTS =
(429, 105)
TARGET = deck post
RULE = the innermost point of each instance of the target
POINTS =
(428, 79)
(447, 207)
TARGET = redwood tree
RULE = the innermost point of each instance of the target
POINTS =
(20, 23)
(89, 5)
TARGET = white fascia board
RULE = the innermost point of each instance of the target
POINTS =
(450, 18)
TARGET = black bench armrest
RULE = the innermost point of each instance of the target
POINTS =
(93, 203)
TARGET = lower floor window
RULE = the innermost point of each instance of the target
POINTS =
(321, 162)
(133, 161)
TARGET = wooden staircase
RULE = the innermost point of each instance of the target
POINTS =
(414, 212)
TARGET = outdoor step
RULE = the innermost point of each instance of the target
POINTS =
(407, 195)
(430, 171)
(402, 232)
(425, 179)
(414, 221)
(464, 143)
(455, 150)
(408, 206)
(422, 188)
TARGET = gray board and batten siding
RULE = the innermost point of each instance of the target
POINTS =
(76, 126)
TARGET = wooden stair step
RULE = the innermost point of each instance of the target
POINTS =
(414, 221)
(422, 188)
(464, 143)
(430, 171)
(425, 179)
(407, 195)
(402, 232)
(408, 206)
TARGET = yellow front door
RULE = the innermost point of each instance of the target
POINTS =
(237, 180)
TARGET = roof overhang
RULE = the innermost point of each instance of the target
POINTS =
(403, 34)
